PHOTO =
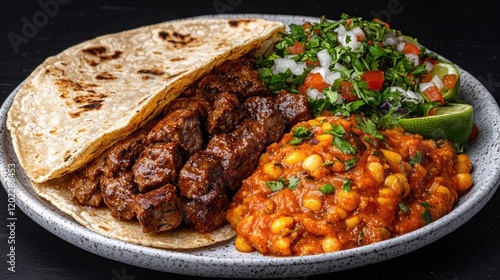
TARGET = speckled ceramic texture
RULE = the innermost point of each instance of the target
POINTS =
(224, 261)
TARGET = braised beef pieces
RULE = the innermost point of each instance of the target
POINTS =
(186, 165)
(181, 126)
(157, 165)
(119, 195)
(158, 210)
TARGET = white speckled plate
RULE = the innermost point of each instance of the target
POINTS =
(223, 260)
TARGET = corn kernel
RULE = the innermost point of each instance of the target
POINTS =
(325, 137)
(313, 122)
(243, 246)
(264, 158)
(312, 162)
(312, 202)
(326, 126)
(283, 244)
(273, 170)
(385, 191)
(281, 223)
(348, 200)
(295, 156)
(391, 156)
(462, 168)
(398, 183)
(463, 158)
(234, 215)
(331, 244)
(376, 170)
(464, 181)
(341, 212)
(352, 221)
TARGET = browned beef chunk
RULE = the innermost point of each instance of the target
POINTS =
(157, 165)
(238, 156)
(180, 126)
(124, 153)
(233, 76)
(195, 103)
(226, 113)
(266, 111)
(158, 210)
(84, 184)
(293, 107)
(119, 195)
(251, 129)
(202, 217)
(201, 178)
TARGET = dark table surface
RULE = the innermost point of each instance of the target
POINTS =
(465, 32)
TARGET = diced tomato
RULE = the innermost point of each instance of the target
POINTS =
(427, 78)
(297, 48)
(411, 48)
(311, 63)
(346, 90)
(303, 89)
(375, 79)
(433, 61)
(382, 22)
(307, 25)
(315, 80)
(360, 37)
(348, 23)
(432, 111)
(449, 80)
(434, 94)
(474, 133)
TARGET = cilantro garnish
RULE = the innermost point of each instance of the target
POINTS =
(292, 183)
(300, 133)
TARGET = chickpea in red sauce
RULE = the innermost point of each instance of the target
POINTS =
(332, 184)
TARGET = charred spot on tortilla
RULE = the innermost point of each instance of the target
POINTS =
(105, 76)
(153, 71)
(176, 38)
(67, 85)
(235, 23)
(100, 53)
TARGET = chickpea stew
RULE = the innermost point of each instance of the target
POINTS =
(334, 183)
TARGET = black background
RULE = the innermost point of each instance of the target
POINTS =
(465, 32)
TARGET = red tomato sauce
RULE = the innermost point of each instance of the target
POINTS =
(328, 185)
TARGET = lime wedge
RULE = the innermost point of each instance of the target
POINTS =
(453, 122)
(443, 68)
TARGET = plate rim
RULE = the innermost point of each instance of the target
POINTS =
(48, 218)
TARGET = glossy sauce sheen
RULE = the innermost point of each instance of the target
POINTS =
(313, 197)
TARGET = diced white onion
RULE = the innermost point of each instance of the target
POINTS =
(408, 95)
(315, 94)
(282, 64)
(390, 39)
(428, 66)
(437, 82)
(324, 57)
(342, 35)
(414, 58)
(400, 47)
(424, 86)
(332, 77)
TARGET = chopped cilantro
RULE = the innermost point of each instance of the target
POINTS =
(416, 159)
(300, 133)
(346, 185)
(292, 183)
(327, 188)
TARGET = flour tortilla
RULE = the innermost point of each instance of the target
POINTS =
(80, 102)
